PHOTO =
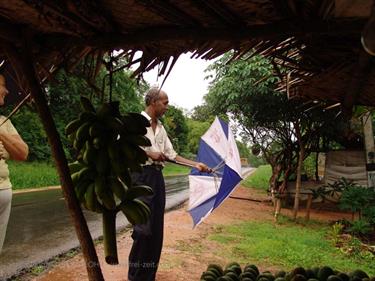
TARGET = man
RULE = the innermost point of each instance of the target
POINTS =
(148, 238)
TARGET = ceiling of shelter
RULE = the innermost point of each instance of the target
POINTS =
(317, 41)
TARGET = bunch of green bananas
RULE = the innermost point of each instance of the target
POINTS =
(108, 149)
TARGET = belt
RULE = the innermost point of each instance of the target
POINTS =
(154, 167)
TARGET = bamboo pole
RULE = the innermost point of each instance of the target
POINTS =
(24, 62)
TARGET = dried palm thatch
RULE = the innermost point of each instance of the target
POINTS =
(312, 39)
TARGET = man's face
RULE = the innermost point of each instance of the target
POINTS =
(161, 105)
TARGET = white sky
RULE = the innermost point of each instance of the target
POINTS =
(185, 84)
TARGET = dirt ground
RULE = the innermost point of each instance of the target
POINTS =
(179, 260)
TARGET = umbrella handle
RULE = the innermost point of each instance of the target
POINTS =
(185, 164)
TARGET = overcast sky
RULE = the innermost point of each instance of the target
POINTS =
(185, 84)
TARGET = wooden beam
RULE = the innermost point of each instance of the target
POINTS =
(359, 78)
(277, 30)
(22, 59)
(169, 11)
(218, 10)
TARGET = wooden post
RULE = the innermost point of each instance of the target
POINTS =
(369, 147)
(277, 208)
(308, 206)
(24, 63)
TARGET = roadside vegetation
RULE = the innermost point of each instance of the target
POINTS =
(286, 245)
(26, 175)
(259, 179)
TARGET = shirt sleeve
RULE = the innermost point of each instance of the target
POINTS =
(168, 147)
(7, 127)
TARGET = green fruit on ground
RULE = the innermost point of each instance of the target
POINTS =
(280, 273)
(299, 270)
(266, 275)
(208, 275)
(247, 274)
(215, 271)
(253, 267)
(343, 276)
(216, 267)
(359, 273)
(310, 273)
(312, 279)
(299, 277)
(252, 271)
(334, 278)
(324, 272)
(233, 276)
(280, 279)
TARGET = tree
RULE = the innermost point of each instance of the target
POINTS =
(285, 130)
(196, 130)
(175, 124)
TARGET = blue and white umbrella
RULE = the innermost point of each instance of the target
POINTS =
(219, 151)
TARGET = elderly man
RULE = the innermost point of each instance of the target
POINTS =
(148, 238)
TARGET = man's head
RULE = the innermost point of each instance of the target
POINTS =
(3, 90)
(157, 101)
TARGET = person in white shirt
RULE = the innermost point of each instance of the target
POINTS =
(11, 146)
(148, 238)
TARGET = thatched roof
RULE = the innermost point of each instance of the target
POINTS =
(317, 40)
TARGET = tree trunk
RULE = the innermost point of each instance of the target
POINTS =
(299, 171)
(24, 66)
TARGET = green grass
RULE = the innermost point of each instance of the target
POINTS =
(32, 174)
(35, 174)
(171, 169)
(285, 246)
(259, 179)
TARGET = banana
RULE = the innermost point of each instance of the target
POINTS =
(83, 132)
(139, 119)
(132, 212)
(90, 198)
(75, 167)
(138, 191)
(102, 163)
(80, 189)
(90, 154)
(72, 126)
(104, 194)
(137, 140)
(96, 130)
(118, 188)
(126, 178)
(114, 123)
(87, 105)
(144, 208)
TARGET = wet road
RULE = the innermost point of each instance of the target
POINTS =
(40, 226)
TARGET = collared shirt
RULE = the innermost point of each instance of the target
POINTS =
(160, 141)
(8, 128)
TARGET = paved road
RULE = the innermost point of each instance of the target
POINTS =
(40, 226)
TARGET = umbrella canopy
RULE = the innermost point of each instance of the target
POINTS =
(218, 150)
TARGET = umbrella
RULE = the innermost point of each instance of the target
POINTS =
(219, 151)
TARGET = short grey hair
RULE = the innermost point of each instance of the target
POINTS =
(152, 95)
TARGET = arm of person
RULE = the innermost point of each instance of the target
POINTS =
(15, 146)
(198, 165)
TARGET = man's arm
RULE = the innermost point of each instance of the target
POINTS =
(198, 165)
(15, 146)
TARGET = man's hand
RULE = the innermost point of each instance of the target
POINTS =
(203, 167)
(156, 156)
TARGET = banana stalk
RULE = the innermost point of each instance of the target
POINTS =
(109, 237)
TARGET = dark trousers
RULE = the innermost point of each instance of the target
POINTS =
(148, 238)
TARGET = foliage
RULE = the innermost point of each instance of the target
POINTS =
(195, 130)
(175, 124)
(260, 178)
(245, 88)
(171, 169)
(286, 245)
(360, 227)
(28, 125)
(32, 175)
(335, 233)
(243, 150)
(256, 161)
